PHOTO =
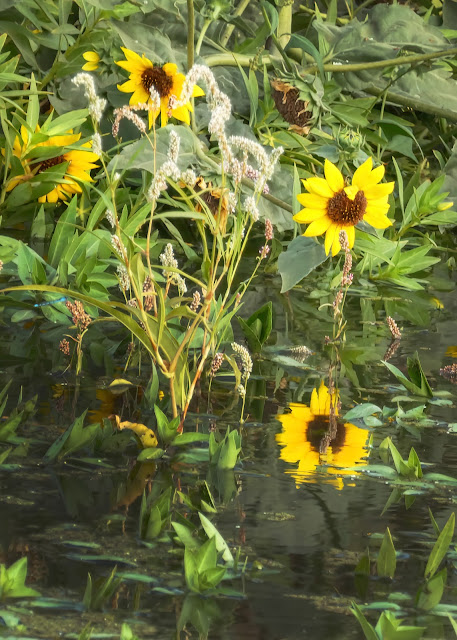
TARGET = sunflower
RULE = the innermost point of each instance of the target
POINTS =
(311, 437)
(92, 59)
(80, 162)
(164, 79)
(330, 206)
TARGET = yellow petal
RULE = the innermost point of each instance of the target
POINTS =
(163, 114)
(318, 227)
(131, 55)
(329, 237)
(312, 201)
(89, 66)
(181, 113)
(361, 175)
(375, 176)
(127, 87)
(319, 187)
(336, 246)
(140, 96)
(333, 176)
(379, 190)
(377, 209)
(378, 222)
(314, 404)
(91, 56)
(351, 191)
(170, 68)
(305, 216)
(197, 91)
(350, 231)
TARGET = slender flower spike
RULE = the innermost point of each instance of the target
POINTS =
(165, 80)
(330, 206)
(92, 59)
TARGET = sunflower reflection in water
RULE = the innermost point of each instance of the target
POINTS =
(314, 437)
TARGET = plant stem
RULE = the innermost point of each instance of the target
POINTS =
(203, 31)
(230, 27)
(380, 64)
(190, 33)
(284, 29)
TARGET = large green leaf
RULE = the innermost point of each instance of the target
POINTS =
(302, 256)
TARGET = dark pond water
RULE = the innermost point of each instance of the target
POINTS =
(300, 523)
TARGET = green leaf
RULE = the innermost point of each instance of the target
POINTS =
(430, 594)
(221, 545)
(362, 410)
(440, 547)
(367, 628)
(387, 560)
(303, 255)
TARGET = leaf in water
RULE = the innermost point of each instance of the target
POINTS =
(102, 559)
(440, 548)
(430, 594)
(362, 410)
(302, 256)
(386, 562)
(367, 628)
(221, 545)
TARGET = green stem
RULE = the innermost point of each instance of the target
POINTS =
(190, 33)
(236, 59)
(414, 103)
(284, 29)
(381, 64)
(198, 46)
(230, 27)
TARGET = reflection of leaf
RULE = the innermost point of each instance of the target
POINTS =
(302, 256)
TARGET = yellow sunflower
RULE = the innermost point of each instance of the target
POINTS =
(164, 79)
(92, 59)
(310, 437)
(330, 206)
(80, 162)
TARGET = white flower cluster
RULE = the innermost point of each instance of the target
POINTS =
(124, 279)
(109, 215)
(96, 105)
(246, 360)
(167, 258)
(250, 206)
(97, 144)
(169, 169)
(220, 107)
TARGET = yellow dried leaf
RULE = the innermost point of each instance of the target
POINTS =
(146, 435)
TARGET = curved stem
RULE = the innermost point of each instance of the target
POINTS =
(206, 24)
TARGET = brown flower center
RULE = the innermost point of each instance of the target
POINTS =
(157, 78)
(320, 432)
(47, 164)
(346, 212)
